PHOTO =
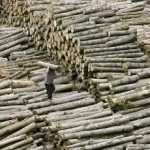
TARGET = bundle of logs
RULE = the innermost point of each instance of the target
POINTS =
(22, 71)
(30, 15)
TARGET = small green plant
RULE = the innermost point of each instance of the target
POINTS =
(124, 104)
(125, 67)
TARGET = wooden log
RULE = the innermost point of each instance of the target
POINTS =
(8, 122)
(22, 83)
(96, 59)
(138, 146)
(9, 97)
(96, 81)
(128, 87)
(103, 116)
(12, 38)
(90, 37)
(9, 50)
(63, 87)
(65, 106)
(12, 102)
(91, 116)
(13, 43)
(12, 140)
(64, 14)
(113, 142)
(114, 48)
(107, 20)
(141, 123)
(27, 129)
(124, 80)
(129, 65)
(70, 98)
(52, 66)
(120, 53)
(120, 33)
(82, 19)
(95, 41)
(142, 102)
(136, 113)
(16, 126)
(19, 144)
(142, 131)
(79, 110)
(135, 71)
(61, 80)
(130, 97)
(110, 130)
(144, 140)
(83, 28)
(98, 8)
(109, 75)
(67, 126)
(88, 142)
(6, 91)
(106, 69)
(94, 126)
(71, 116)
(5, 84)
(122, 40)
(25, 89)
(14, 32)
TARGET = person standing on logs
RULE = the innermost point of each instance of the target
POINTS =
(49, 85)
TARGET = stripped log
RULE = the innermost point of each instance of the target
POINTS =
(52, 66)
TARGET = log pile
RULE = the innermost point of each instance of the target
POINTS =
(67, 37)
(29, 15)
(97, 43)
(137, 16)
(22, 90)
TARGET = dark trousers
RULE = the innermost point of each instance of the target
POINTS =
(50, 89)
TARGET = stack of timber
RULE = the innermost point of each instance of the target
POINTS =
(29, 15)
(110, 43)
(22, 90)
(100, 56)
(92, 41)
(67, 37)
(137, 16)
(35, 25)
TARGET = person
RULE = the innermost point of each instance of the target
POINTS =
(49, 85)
